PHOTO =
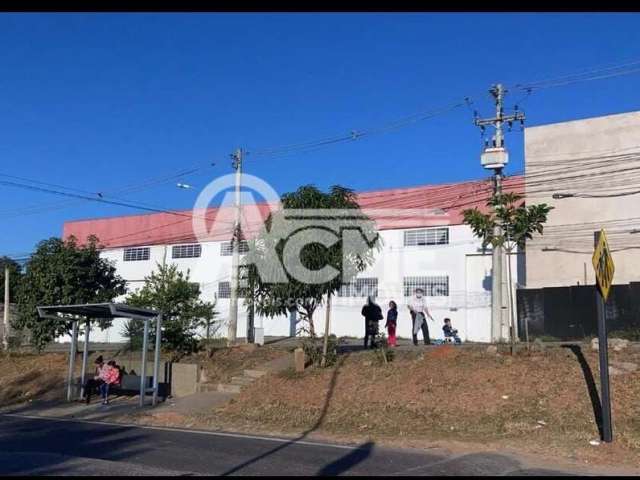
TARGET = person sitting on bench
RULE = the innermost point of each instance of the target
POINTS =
(120, 370)
(450, 332)
(109, 376)
(93, 383)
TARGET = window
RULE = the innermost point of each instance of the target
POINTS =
(136, 254)
(186, 251)
(224, 290)
(226, 250)
(359, 287)
(426, 236)
(432, 286)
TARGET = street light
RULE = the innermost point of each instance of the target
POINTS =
(184, 186)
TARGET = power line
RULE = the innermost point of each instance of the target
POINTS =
(61, 205)
(589, 75)
(353, 134)
(99, 200)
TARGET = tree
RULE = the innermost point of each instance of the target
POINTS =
(518, 224)
(170, 292)
(61, 272)
(15, 274)
(267, 252)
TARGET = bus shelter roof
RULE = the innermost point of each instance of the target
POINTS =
(97, 310)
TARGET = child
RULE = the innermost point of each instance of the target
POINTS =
(118, 368)
(109, 375)
(392, 320)
(449, 331)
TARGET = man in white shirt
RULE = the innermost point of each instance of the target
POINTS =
(419, 313)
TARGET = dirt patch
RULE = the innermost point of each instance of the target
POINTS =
(538, 402)
(29, 376)
(168, 418)
(26, 377)
(225, 363)
(445, 351)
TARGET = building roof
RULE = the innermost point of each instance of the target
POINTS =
(412, 207)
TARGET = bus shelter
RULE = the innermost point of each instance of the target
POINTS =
(96, 311)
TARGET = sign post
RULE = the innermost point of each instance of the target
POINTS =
(604, 269)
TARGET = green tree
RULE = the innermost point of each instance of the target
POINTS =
(518, 223)
(169, 291)
(15, 274)
(274, 299)
(61, 272)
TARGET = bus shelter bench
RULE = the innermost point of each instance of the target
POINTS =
(130, 385)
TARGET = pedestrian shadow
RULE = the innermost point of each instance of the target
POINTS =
(591, 385)
(345, 463)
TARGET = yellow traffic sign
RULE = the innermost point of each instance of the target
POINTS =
(603, 265)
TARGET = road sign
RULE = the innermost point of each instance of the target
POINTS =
(603, 265)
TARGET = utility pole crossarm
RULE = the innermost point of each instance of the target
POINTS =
(516, 117)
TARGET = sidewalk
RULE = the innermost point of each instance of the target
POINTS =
(117, 407)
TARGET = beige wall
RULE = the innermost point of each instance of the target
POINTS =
(557, 159)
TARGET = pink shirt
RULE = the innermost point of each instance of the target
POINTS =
(108, 374)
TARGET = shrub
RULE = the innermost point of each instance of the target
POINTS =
(631, 333)
(313, 350)
(382, 351)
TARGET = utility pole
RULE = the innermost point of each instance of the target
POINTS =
(495, 157)
(251, 338)
(327, 327)
(235, 245)
(5, 335)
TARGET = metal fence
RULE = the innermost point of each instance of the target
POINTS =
(569, 313)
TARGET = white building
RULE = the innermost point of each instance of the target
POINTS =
(424, 243)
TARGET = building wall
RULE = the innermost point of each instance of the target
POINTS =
(557, 158)
(468, 302)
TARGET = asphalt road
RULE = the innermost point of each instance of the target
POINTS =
(37, 446)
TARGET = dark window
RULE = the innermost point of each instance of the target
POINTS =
(224, 290)
(437, 286)
(226, 250)
(426, 236)
(186, 251)
(359, 287)
(136, 254)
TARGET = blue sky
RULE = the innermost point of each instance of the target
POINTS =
(102, 101)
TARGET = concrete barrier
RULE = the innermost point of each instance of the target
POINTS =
(184, 379)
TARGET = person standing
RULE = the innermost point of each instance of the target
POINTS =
(419, 313)
(392, 322)
(372, 314)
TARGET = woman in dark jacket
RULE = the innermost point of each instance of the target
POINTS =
(94, 382)
(372, 314)
(392, 321)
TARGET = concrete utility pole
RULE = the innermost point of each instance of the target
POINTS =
(495, 157)
(235, 245)
(5, 335)
(327, 327)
